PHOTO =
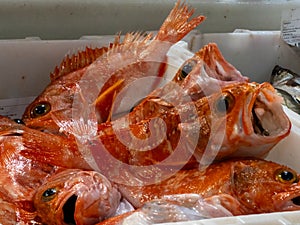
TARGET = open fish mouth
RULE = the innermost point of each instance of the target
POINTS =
(68, 210)
(291, 203)
(296, 200)
(267, 116)
(257, 125)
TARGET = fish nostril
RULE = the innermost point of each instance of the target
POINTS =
(69, 210)
(19, 121)
(296, 200)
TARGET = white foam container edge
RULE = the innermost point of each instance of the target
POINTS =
(25, 65)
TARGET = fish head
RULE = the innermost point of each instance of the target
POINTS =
(55, 102)
(281, 76)
(263, 186)
(76, 197)
(206, 71)
(250, 117)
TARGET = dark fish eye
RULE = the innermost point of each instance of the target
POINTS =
(49, 194)
(224, 103)
(186, 69)
(19, 121)
(286, 176)
(40, 109)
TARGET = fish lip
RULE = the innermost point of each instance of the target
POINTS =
(266, 118)
(12, 132)
(90, 182)
(290, 200)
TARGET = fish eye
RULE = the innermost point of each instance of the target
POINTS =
(186, 69)
(224, 103)
(286, 176)
(49, 194)
(40, 109)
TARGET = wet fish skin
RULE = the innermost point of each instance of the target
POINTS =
(255, 185)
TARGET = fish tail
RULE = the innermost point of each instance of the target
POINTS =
(177, 24)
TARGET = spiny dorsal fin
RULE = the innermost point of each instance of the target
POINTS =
(77, 61)
(133, 41)
(84, 58)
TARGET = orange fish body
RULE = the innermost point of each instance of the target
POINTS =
(23, 182)
(76, 197)
(239, 121)
(233, 187)
(104, 72)
(235, 122)
(244, 119)
(243, 186)
(20, 177)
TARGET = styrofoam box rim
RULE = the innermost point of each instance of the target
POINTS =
(282, 218)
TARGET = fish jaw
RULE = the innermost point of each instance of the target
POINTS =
(261, 122)
(288, 200)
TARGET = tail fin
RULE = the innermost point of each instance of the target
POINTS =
(177, 24)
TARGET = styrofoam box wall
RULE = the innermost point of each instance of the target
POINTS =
(26, 63)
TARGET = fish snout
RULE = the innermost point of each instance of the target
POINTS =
(288, 200)
(93, 199)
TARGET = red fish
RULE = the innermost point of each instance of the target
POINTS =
(20, 177)
(34, 192)
(245, 119)
(242, 186)
(227, 188)
(105, 71)
(235, 122)
(203, 74)
(76, 197)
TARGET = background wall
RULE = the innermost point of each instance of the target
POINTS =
(69, 19)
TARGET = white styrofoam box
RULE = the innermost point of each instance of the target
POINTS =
(25, 66)
(287, 151)
(283, 218)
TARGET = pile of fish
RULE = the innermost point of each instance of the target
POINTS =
(188, 148)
